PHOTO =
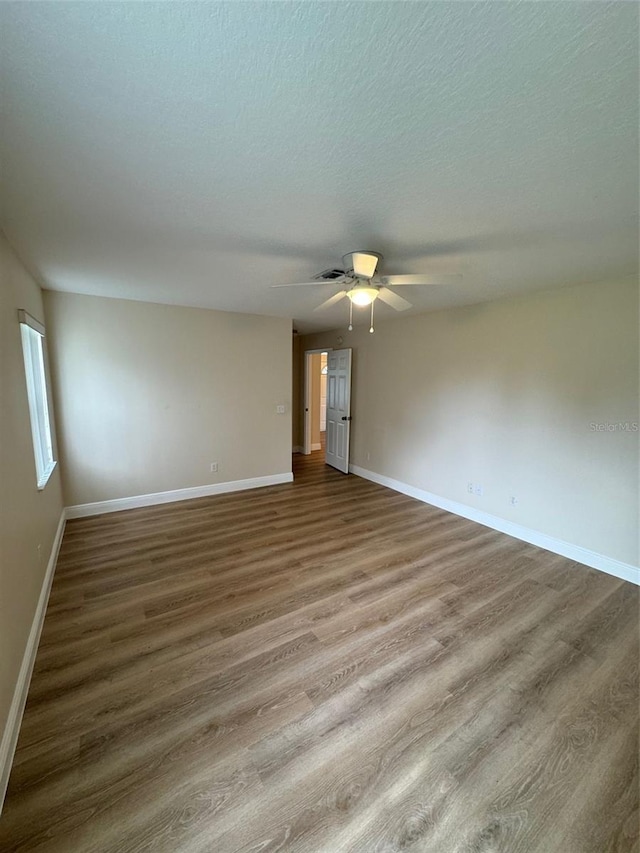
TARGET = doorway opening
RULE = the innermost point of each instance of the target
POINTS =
(315, 401)
(327, 405)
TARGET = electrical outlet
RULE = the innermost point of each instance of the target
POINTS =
(470, 488)
(478, 490)
(280, 410)
(214, 467)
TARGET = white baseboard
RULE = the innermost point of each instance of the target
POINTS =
(14, 720)
(100, 507)
(624, 571)
(316, 446)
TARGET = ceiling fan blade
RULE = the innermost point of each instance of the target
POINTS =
(434, 278)
(332, 300)
(393, 299)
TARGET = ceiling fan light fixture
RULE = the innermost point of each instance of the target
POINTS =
(362, 295)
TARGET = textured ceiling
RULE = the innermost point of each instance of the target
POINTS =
(197, 153)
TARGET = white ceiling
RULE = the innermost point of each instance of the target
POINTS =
(196, 153)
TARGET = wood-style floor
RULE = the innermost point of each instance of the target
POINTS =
(322, 667)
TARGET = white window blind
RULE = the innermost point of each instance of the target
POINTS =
(32, 334)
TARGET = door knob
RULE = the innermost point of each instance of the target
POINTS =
(344, 418)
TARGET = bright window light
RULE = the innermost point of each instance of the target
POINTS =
(32, 334)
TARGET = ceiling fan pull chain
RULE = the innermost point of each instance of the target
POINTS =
(350, 316)
(371, 328)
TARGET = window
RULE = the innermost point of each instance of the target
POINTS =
(33, 351)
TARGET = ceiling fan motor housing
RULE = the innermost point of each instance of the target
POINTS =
(361, 264)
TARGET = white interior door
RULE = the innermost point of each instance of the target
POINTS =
(338, 408)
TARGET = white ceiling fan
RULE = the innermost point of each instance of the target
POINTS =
(362, 285)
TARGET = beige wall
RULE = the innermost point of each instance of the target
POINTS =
(28, 518)
(149, 395)
(504, 394)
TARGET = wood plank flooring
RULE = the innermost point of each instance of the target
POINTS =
(322, 667)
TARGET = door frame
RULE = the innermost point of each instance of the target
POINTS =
(306, 398)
